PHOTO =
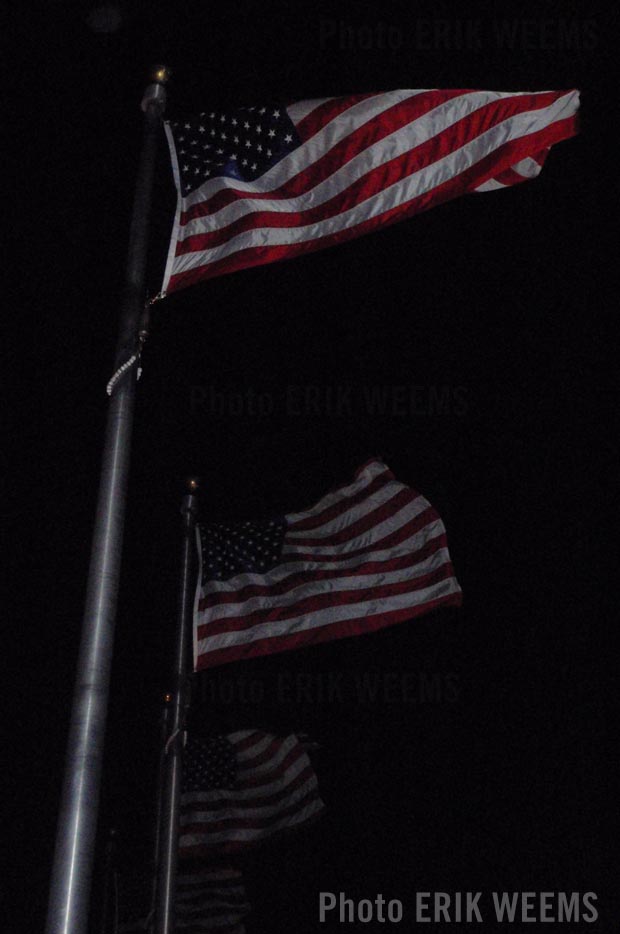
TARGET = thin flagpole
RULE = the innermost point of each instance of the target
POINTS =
(168, 835)
(68, 905)
(164, 734)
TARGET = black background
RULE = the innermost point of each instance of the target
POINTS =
(489, 772)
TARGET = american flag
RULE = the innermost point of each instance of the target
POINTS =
(210, 900)
(259, 184)
(271, 788)
(367, 555)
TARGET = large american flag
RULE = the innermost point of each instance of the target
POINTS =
(236, 797)
(264, 183)
(367, 555)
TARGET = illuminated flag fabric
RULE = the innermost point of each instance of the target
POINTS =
(265, 183)
(366, 556)
(236, 798)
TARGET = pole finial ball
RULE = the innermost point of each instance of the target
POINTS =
(162, 74)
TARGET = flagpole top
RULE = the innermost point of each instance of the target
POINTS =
(190, 500)
(155, 92)
(161, 74)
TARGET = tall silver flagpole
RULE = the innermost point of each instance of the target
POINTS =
(168, 834)
(77, 823)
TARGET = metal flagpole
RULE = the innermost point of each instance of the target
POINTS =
(77, 822)
(164, 734)
(168, 835)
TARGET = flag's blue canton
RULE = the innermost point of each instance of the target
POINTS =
(241, 143)
(208, 763)
(245, 548)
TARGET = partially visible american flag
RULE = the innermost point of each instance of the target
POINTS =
(367, 555)
(261, 786)
(210, 900)
(260, 184)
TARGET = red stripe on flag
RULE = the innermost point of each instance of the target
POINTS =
(409, 528)
(294, 580)
(373, 518)
(342, 505)
(229, 799)
(341, 630)
(265, 756)
(311, 124)
(315, 604)
(244, 823)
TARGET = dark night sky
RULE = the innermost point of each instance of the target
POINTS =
(493, 779)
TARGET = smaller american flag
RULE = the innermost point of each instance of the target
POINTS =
(259, 786)
(367, 555)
